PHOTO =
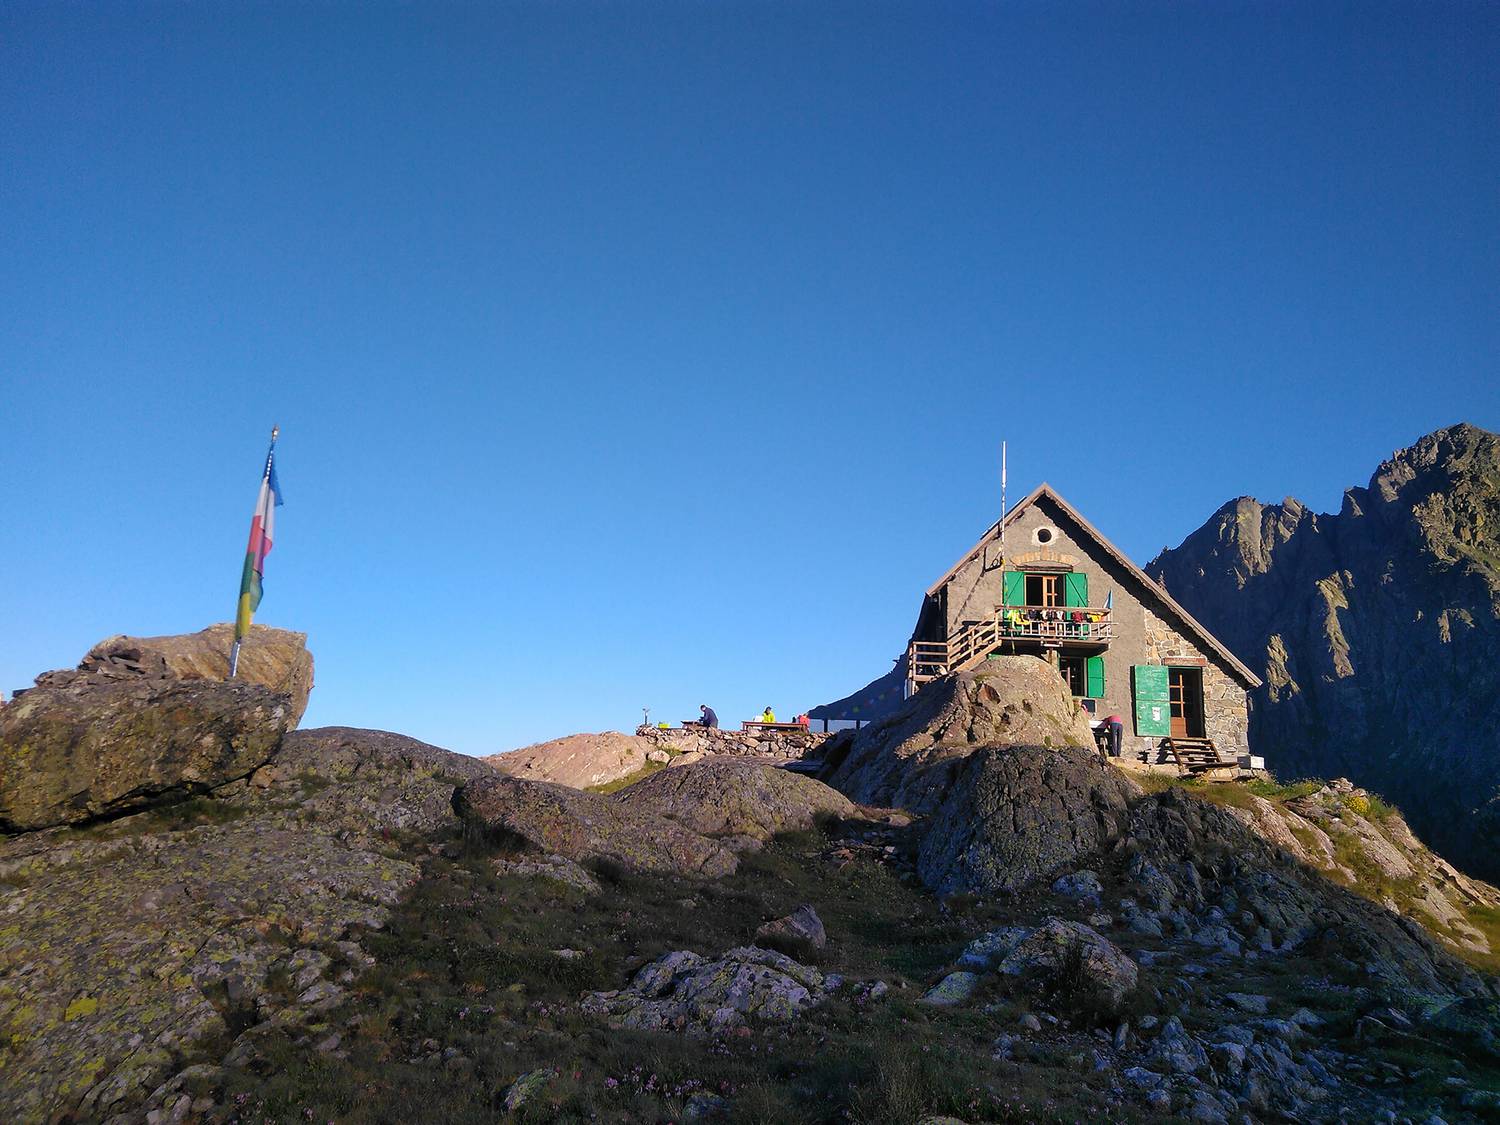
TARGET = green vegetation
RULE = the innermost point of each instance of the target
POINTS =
(1273, 790)
(629, 779)
(1235, 794)
(467, 996)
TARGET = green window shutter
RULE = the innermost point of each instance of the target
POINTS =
(1153, 708)
(1093, 674)
(1015, 588)
(1075, 589)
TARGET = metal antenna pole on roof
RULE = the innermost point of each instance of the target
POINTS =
(1002, 504)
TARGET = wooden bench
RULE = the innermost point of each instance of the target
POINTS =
(754, 725)
(1197, 755)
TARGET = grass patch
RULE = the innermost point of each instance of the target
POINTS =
(629, 779)
(467, 996)
(1273, 790)
(1236, 794)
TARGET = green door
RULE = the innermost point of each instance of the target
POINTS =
(1093, 676)
(1015, 587)
(1153, 704)
(1075, 589)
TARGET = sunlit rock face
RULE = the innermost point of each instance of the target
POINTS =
(1377, 632)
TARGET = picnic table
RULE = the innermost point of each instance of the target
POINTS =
(753, 724)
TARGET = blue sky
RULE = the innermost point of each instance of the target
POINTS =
(639, 354)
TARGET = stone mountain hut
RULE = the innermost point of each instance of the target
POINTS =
(1063, 592)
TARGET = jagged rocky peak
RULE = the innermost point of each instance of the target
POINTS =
(1376, 629)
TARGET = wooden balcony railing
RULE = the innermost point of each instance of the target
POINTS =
(1059, 627)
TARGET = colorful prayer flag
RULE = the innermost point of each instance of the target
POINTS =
(262, 531)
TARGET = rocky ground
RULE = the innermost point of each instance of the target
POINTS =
(978, 920)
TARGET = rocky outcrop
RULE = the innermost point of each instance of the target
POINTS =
(1359, 841)
(1058, 954)
(1376, 630)
(1017, 814)
(1199, 873)
(800, 926)
(577, 760)
(736, 799)
(689, 821)
(132, 947)
(111, 738)
(274, 658)
(683, 991)
(909, 759)
(579, 826)
(369, 785)
(1001, 760)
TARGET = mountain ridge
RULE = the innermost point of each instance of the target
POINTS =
(1376, 630)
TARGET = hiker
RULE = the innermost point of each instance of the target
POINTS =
(708, 719)
(767, 716)
(1114, 726)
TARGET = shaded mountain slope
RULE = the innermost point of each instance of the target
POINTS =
(1376, 630)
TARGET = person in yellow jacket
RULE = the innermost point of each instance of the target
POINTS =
(767, 716)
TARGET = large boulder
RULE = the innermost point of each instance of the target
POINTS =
(87, 744)
(1016, 814)
(733, 798)
(683, 991)
(274, 658)
(578, 760)
(1076, 957)
(369, 783)
(587, 826)
(909, 760)
(1001, 760)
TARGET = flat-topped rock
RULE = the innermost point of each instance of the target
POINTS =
(274, 658)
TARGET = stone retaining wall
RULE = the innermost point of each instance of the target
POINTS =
(788, 744)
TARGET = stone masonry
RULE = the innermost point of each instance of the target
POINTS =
(788, 744)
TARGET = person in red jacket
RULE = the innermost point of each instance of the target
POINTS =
(1116, 728)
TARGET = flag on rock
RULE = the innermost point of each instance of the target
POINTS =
(262, 532)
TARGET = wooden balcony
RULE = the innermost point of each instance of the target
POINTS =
(1057, 627)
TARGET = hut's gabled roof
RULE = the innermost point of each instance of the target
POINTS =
(1154, 590)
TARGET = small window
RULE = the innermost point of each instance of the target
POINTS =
(1043, 589)
(1043, 535)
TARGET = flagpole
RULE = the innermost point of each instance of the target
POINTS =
(234, 649)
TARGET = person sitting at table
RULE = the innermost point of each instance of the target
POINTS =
(708, 719)
(767, 716)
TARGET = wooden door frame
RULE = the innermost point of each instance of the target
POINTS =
(1190, 676)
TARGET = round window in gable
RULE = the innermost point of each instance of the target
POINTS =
(1043, 535)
